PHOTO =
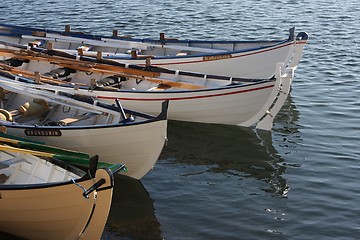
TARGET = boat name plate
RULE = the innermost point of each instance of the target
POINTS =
(43, 132)
(216, 57)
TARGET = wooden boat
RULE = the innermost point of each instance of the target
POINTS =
(63, 120)
(43, 197)
(246, 59)
(194, 97)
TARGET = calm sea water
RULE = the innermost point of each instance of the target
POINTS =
(301, 181)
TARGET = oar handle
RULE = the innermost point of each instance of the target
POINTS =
(94, 187)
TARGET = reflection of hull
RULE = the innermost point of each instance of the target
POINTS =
(133, 215)
(227, 149)
(289, 115)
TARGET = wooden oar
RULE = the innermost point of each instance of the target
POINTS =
(66, 158)
(3, 134)
(30, 90)
(74, 157)
(32, 75)
(154, 80)
(44, 148)
(32, 55)
(88, 68)
(102, 68)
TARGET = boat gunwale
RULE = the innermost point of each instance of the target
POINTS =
(20, 30)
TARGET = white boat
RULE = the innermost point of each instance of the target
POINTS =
(194, 97)
(45, 198)
(246, 59)
(115, 134)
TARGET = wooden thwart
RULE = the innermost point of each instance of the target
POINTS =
(74, 119)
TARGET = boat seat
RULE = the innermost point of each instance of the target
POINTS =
(71, 120)
(183, 53)
(9, 162)
(74, 119)
(36, 43)
(85, 48)
(160, 87)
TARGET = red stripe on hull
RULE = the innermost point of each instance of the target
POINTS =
(192, 97)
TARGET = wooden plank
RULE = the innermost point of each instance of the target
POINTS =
(74, 119)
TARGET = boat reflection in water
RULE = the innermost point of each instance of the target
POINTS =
(227, 149)
(132, 214)
(238, 151)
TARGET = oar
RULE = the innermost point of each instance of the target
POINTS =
(108, 69)
(32, 91)
(66, 158)
(32, 75)
(33, 55)
(154, 80)
(79, 157)
(45, 148)
(20, 139)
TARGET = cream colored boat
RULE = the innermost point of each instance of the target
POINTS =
(44, 198)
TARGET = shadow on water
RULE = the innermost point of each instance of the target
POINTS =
(240, 151)
(132, 212)
(227, 149)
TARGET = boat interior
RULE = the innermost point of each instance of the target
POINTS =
(127, 47)
(25, 110)
(17, 167)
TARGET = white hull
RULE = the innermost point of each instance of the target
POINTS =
(223, 106)
(136, 143)
(216, 99)
(231, 58)
(250, 64)
(242, 105)
(138, 146)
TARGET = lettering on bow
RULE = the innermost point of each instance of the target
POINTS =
(216, 57)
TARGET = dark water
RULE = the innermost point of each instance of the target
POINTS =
(301, 181)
